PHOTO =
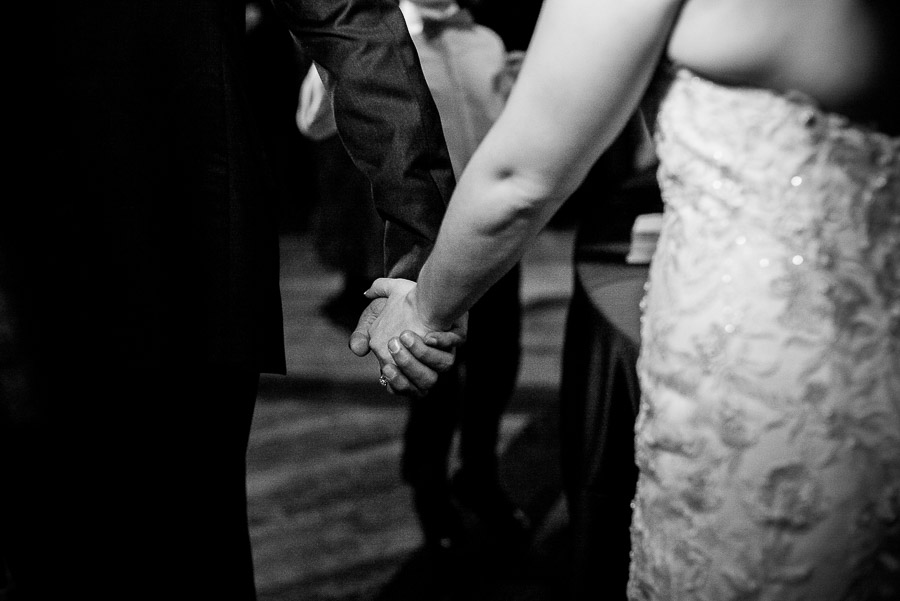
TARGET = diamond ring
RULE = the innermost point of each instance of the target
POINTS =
(382, 380)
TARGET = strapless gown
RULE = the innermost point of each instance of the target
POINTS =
(768, 440)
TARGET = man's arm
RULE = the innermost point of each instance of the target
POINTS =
(385, 116)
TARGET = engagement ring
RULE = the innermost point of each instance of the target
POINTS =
(382, 380)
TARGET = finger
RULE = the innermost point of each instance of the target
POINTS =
(436, 358)
(422, 376)
(451, 339)
(359, 339)
(381, 287)
(445, 341)
(399, 384)
(359, 343)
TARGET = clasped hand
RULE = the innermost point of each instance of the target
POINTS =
(410, 353)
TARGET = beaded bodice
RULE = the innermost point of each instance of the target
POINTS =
(769, 436)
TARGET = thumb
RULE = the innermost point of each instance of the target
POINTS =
(382, 287)
(359, 339)
(359, 343)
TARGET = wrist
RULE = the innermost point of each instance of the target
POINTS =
(429, 321)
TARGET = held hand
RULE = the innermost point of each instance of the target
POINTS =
(387, 316)
(420, 360)
(409, 361)
(398, 315)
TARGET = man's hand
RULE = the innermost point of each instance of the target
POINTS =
(417, 360)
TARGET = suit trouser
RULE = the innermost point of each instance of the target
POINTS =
(471, 399)
(129, 484)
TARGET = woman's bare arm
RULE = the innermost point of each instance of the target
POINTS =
(587, 67)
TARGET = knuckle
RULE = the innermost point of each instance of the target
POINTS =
(417, 348)
(429, 380)
(444, 362)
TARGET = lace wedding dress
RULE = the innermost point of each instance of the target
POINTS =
(769, 436)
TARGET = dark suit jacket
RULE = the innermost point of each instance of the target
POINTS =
(149, 236)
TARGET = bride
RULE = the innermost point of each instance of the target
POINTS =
(768, 440)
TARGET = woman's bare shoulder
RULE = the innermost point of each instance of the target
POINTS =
(843, 53)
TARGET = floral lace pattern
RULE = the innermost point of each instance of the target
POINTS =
(769, 434)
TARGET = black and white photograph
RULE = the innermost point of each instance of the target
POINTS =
(451, 300)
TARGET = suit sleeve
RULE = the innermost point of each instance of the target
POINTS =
(385, 116)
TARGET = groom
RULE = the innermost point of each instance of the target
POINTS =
(139, 293)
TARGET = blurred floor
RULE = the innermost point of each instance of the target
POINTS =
(330, 517)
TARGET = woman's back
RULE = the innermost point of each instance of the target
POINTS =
(842, 53)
